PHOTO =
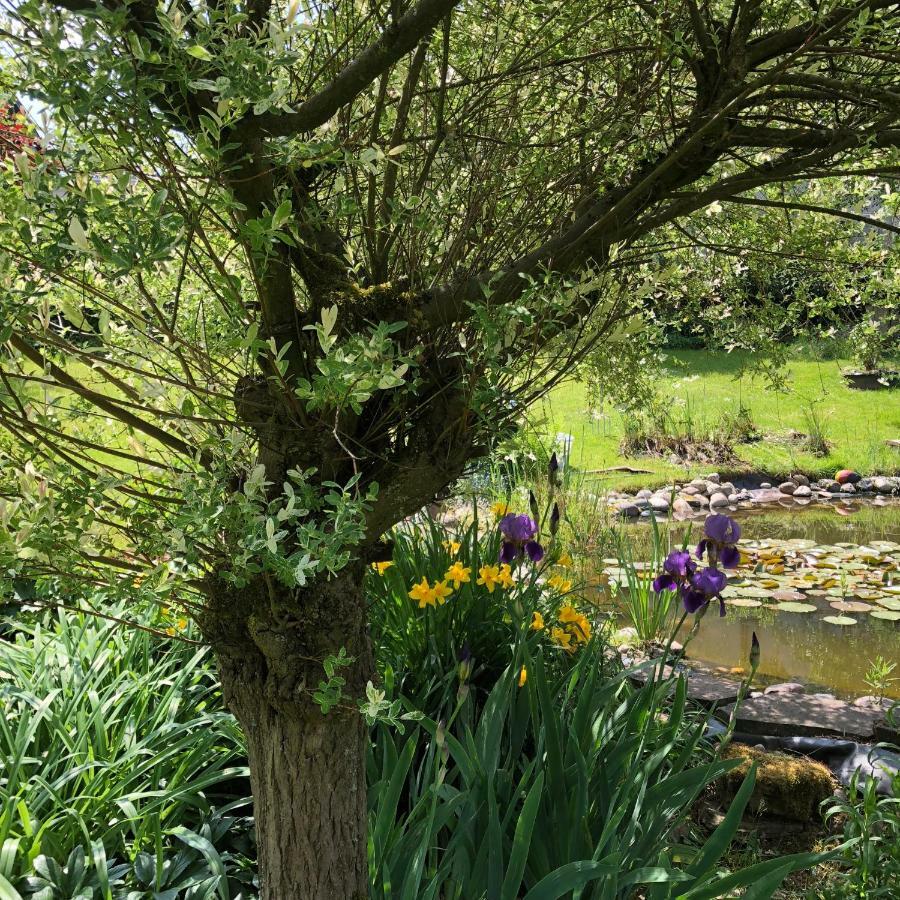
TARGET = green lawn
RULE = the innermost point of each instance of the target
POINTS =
(855, 423)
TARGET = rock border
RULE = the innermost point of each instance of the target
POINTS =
(709, 493)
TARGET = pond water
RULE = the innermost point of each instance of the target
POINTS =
(811, 556)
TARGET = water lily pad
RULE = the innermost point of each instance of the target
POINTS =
(886, 546)
(887, 614)
(742, 601)
(892, 603)
(787, 595)
(850, 606)
(839, 620)
(796, 607)
(801, 543)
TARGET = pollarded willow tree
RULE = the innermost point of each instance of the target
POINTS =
(275, 274)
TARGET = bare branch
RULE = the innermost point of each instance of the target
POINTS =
(811, 207)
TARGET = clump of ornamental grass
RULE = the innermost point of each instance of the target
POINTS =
(115, 746)
(815, 441)
(666, 427)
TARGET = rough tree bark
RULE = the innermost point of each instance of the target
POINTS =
(307, 769)
(309, 795)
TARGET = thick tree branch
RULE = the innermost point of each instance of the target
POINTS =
(395, 42)
(807, 139)
(771, 46)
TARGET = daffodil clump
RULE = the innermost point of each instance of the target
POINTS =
(463, 598)
(571, 631)
(429, 595)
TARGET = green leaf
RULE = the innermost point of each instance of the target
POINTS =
(522, 841)
(198, 52)
(7, 891)
(210, 854)
(718, 842)
(568, 878)
(78, 235)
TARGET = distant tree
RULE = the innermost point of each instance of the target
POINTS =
(331, 250)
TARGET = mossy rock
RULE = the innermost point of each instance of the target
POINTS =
(787, 786)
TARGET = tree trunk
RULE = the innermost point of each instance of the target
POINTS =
(309, 795)
(307, 770)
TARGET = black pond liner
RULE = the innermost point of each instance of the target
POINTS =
(872, 381)
(844, 758)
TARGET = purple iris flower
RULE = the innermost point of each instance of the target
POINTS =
(519, 533)
(697, 588)
(721, 533)
(677, 567)
(702, 587)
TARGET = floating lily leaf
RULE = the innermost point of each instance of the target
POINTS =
(743, 601)
(787, 595)
(839, 620)
(885, 546)
(850, 606)
(892, 603)
(888, 614)
(801, 544)
(796, 607)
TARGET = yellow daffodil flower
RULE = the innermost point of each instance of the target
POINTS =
(423, 593)
(565, 559)
(382, 567)
(505, 578)
(451, 546)
(562, 639)
(523, 676)
(458, 574)
(182, 624)
(489, 576)
(537, 621)
(563, 585)
(500, 509)
(441, 592)
(575, 623)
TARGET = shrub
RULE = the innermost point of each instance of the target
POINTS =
(872, 342)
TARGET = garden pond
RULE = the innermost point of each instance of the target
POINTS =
(820, 586)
